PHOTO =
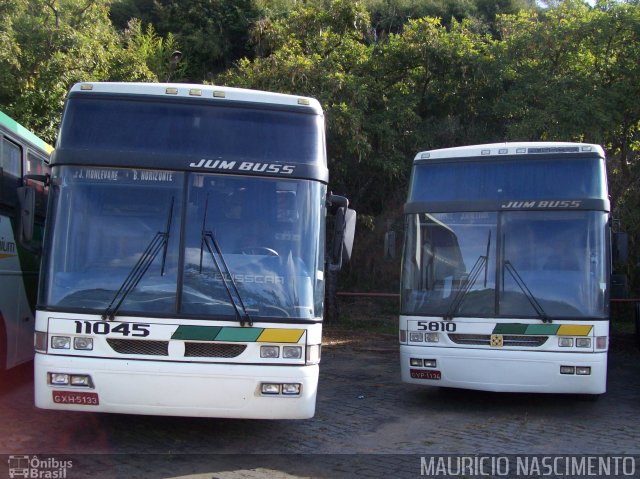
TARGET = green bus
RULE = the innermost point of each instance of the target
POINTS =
(21, 154)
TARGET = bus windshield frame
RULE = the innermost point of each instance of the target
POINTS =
(268, 229)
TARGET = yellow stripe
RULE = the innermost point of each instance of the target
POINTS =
(574, 330)
(280, 335)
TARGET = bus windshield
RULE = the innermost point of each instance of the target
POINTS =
(520, 264)
(268, 231)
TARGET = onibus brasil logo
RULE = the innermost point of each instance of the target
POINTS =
(37, 468)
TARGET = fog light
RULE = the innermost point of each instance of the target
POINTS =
(567, 370)
(84, 344)
(429, 363)
(81, 380)
(292, 352)
(583, 370)
(583, 342)
(40, 341)
(565, 342)
(415, 362)
(292, 389)
(432, 338)
(416, 337)
(58, 379)
(270, 388)
(60, 342)
(269, 351)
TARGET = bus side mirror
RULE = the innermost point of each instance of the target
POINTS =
(343, 234)
(27, 204)
(620, 247)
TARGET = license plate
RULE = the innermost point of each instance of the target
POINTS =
(422, 374)
(76, 398)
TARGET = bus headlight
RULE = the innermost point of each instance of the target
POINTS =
(60, 342)
(583, 342)
(565, 342)
(269, 351)
(432, 337)
(83, 344)
(292, 352)
(416, 337)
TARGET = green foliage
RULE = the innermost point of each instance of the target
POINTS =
(213, 33)
(49, 45)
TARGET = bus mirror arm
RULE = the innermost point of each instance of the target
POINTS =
(44, 179)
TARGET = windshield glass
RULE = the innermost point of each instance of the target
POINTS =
(270, 237)
(546, 264)
(103, 221)
(270, 233)
(440, 254)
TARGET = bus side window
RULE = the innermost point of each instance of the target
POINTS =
(10, 167)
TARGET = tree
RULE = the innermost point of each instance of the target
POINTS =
(212, 33)
(47, 46)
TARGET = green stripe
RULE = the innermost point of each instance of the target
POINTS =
(239, 334)
(196, 333)
(543, 329)
(510, 329)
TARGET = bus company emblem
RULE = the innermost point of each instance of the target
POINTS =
(249, 166)
(541, 204)
(497, 340)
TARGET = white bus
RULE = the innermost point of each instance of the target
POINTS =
(506, 269)
(21, 153)
(184, 260)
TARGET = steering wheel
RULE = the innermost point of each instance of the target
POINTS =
(263, 250)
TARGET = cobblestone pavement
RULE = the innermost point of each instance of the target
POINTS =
(367, 424)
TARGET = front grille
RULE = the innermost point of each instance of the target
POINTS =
(508, 340)
(139, 346)
(213, 350)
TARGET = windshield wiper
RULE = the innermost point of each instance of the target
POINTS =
(481, 263)
(526, 291)
(159, 242)
(209, 239)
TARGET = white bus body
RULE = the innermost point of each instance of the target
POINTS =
(184, 259)
(506, 269)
